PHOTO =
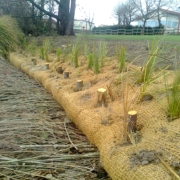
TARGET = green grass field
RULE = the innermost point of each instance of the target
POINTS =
(172, 38)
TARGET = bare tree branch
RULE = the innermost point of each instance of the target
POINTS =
(43, 10)
(125, 13)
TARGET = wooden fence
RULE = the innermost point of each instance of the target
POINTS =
(137, 31)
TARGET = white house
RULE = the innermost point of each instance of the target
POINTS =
(83, 25)
(169, 19)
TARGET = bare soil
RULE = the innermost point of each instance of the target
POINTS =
(136, 51)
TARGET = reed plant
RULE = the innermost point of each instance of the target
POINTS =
(86, 51)
(58, 53)
(173, 97)
(96, 64)
(121, 56)
(149, 66)
(52, 45)
(46, 49)
(42, 53)
(90, 60)
(75, 55)
(65, 53)
(10, 35)
(147, 73)
(46, 55)
(102, 52)
(32, 47)
(23, 42)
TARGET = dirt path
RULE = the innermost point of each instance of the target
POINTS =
(37, 141)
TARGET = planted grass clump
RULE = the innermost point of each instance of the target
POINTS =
(90, 60)
(86, 51)
(42, 55)
(75, 55)
(93, 62)
(10, 35)
(173, 97)
(96, 64)
(146, 73)
(149, 67)
(65, 53)
(102, 52)
(47, 48)
(58, 53)
(121, 56)
(32, 47)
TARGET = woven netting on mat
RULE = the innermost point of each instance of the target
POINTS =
(156, 145)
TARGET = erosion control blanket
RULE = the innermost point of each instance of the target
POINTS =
(154, 150)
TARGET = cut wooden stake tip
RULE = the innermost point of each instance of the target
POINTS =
(132, 113)
(59, 70)
(66, 74)
(102, 95)
(79, 85)
(102, 90)
(47, 66)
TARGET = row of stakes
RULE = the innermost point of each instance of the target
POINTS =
(102, 96)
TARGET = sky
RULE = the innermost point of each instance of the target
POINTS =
(102, 10)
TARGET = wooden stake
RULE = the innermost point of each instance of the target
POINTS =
(34, 61)
(79, 85)
(46, 66)
(132, 119)
(66, 74)
(59, 70)
(102, 95)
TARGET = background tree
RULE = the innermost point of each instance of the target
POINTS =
(36, 16)
(22, 11)
(144, 10)
(125, 13)
(166, 4)
(87, 15)
(64, 17)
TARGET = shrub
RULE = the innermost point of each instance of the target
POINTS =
(10, 35)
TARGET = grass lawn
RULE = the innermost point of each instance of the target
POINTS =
(172, 38)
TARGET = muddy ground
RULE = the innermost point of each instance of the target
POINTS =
(137, 52)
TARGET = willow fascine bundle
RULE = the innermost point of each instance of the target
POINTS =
(109, 138)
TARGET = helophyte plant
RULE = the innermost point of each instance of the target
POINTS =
(58, 54)
(90, 60)
(121, 56)
(75, 55)
(96, 64)
(103, 50)
(173, 97)
(150, 64)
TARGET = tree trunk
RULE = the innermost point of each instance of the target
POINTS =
(65, 19)
(58, 22)
(159, 18)
(64, 16)
(70, 25)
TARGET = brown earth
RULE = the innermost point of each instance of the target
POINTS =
(136, 51)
